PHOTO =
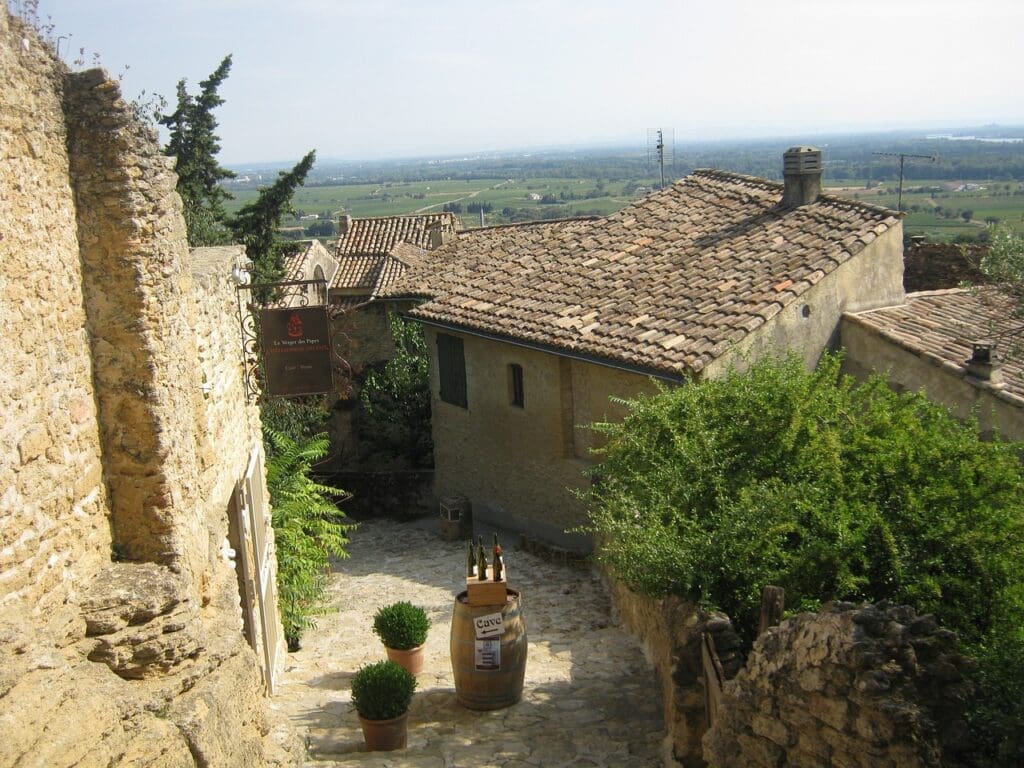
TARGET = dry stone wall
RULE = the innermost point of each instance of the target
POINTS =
(53, 505)
(139, 309)
(867, 686)
(851, 687)
(126, 428)
(671, 631)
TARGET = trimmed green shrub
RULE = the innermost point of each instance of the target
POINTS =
(382, 690)
(829, 489)
(401, 625)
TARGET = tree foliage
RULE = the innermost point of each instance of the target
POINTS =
(394, 403)
(308, 529)
(1003, 260)
(832, 491)
(255, 225)
(194, 143)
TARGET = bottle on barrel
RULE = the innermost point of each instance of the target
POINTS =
(470, 561)
(499, 564)
(481, 560)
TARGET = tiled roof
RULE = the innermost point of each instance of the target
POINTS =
(379, 235)
(940, 326)
(295, 264)
(666, 284)
(358, 272)
(363, 251)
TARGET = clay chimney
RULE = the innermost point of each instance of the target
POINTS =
(801, 169)
(984, 363)
(437, 234)
(344, 224)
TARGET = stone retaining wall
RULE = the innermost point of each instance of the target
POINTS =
(850, 686)
(868, 686)
(126, 428)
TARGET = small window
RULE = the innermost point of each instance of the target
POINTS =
(515, 385)
(451, 364)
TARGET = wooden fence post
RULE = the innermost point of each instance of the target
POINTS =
(773, 603)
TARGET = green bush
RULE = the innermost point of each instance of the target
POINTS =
(382, 691)
(401, 625)
(308, 530)
(833, 491)
(393, 416)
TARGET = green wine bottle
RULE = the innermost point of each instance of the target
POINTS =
(481, 560)
(470, 561)
(499, 564)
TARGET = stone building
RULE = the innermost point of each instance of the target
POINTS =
(372, 254)
(125, 433)
(948, 343)
(532, 328)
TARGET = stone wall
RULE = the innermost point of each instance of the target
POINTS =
(120, 623)
(850, 686)
(53, 505)
(671, 631)
(868, 686)
(363, 335)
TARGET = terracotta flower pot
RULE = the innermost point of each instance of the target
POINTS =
(386, 735)
(411, 660)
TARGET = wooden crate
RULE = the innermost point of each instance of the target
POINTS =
(486, 592)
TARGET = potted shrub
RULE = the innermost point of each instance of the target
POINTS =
(381, 694)
(402, 627)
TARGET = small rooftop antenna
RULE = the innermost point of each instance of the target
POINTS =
(903, 156)
(658, 145)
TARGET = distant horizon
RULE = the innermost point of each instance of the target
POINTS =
(624, 143)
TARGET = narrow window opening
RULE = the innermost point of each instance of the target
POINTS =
(515, 385)
(451, 364)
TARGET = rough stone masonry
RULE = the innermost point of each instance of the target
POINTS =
(125, 428)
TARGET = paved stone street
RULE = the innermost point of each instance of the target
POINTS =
(590, 698)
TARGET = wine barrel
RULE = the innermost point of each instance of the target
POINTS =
(488, 673)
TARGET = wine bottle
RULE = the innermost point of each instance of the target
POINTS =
(481, 560)
(470, 561)
(498, 566)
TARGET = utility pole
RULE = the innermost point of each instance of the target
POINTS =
(903, 156)
(661, 156)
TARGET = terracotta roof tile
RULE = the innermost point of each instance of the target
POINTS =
(941, 325)
(363, 250)
(380, 234)
(701, 263)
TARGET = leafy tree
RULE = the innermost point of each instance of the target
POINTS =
(394, 403)
(255, 225)
(856, 493)
(1003, 261)
(832, 491)
(308, 530)
(195, 144)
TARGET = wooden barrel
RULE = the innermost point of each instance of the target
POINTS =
(488, 672)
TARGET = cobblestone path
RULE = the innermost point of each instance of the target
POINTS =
(590, 698)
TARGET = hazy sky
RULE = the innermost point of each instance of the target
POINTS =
(383, 78)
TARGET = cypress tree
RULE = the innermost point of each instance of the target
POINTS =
(255, 225)
(195, 144)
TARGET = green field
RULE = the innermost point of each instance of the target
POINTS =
(571, 197)
(934, 209)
